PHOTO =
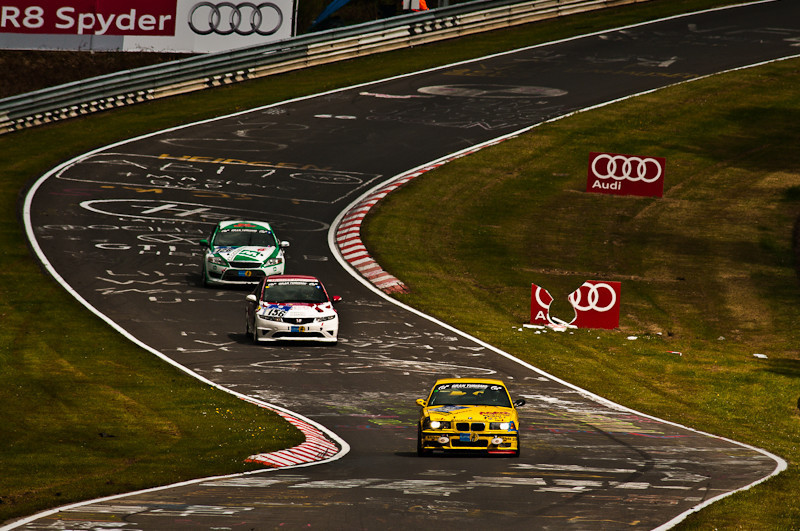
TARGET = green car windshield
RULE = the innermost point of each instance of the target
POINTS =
(243, 238)
(283, 292)
(469, 394)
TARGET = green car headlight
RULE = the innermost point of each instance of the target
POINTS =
(273, 262)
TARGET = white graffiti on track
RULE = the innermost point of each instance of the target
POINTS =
(487, 114)
(358, 363)
(203, 342)
(242, 145)
(171, 510)
(493, 91)
(613, 483)
(176, 211)
(208, 346)
(160, 282)
(149, 228)
(216, 177)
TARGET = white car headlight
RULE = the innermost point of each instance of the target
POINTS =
(273, 261)
(217, 260)
(325, 318)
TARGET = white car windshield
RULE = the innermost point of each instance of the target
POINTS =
(240, 238)
(306, 292)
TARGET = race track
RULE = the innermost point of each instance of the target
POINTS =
(119, 227)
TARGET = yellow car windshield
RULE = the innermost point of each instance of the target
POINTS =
(469, 394)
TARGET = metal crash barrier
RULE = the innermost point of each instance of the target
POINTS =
(222, 68)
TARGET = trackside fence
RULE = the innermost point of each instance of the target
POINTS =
(223, 68)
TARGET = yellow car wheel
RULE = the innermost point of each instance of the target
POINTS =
(421, 452)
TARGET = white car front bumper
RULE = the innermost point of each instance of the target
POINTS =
(324, 331)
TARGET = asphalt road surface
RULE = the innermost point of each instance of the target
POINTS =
(120, 227)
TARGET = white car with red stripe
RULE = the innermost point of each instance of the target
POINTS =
(291, 308)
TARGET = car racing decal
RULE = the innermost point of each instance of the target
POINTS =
(275, 310)
(247, 253)
(449, 409)
(253, 254)
(494, 415)
(477, 386)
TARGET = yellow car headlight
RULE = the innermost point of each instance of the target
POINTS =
(436, 424)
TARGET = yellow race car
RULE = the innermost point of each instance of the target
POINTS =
(468, 414)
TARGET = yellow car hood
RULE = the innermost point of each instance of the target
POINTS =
(471, 413)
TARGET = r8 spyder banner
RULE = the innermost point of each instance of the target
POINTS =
(142, 25)
(616, 174)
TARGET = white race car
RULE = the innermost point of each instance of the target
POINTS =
(291, 308)
(241, 252)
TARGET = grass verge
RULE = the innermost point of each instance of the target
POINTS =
(707, 271)
(86, 413)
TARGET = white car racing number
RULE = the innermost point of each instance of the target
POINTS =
(276, 312)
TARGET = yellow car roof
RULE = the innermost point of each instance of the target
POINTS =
(475, 380)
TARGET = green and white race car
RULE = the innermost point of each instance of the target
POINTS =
(242, 252)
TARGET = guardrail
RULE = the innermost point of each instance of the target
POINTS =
(222, 68)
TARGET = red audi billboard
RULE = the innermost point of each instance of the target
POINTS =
(143, 25)
(618, 174)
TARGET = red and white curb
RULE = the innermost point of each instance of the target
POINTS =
(348, 232)
(352, 249)
(317, 447)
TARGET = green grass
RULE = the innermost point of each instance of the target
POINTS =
(87, 414)
(709, 270)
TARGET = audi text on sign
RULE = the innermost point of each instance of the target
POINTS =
(596, 305)
(617, 174)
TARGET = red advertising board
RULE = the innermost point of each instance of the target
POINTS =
(617, 174)
(88, 17)
(540, 305)
(596, 304)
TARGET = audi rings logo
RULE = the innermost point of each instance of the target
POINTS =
(613, 173)
(596, 305)
(537, 294)
(593, 299)
(630, 168)
(227, 18)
